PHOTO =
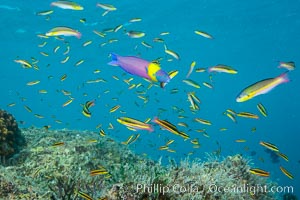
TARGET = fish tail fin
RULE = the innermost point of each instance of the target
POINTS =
(154, 119)
(78, 35)
(114, 59)
(284, 77)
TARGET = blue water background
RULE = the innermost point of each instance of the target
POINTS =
(250, 36)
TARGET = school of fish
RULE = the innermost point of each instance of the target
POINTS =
(142, 75)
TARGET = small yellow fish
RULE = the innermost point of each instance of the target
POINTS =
(259, 172)
(204, 34)
(33, 82)
(269, 146)
(285, 172)
(135, 34)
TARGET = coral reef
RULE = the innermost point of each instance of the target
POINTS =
(58, 165)
(11, 139)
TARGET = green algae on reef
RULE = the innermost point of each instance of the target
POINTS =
(44, 171)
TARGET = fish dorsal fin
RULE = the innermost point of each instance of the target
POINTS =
(156, 62)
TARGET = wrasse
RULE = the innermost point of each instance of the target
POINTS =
(203, 34)
(195, 141)
(193, 64)
(247, 115)
(33, 82)
(65, 31)
(169, 142)
(191, 83)
(135, 34)
(84, 195)
(222, 69)
(67, 5)
(99, 172)
(282, 156)
(259, 172)
(191, 99)
(170, 127)
(202, 121)
(68, 102)
(85, 111)
(262, 109)
(24, 63)
(139, 67)
(45, 12)
(106, 7)
(269, 146)
(145, 44)
(261, 87)
(114, 109)
(285, 172)
(135, 124)
(58, 144)
(135, 20)
(240, 140)
(287, 65)
(172, 53)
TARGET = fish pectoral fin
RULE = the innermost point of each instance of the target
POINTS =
(113, 63)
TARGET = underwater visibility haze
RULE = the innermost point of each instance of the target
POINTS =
(164, 91)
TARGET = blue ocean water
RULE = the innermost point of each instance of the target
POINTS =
(252, 37)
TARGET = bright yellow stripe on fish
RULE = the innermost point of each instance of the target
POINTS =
(261, 87)
(169, 142)
(135, 124)
(115, 108)
(202, 121)
(269, 146)
(204, 34)
(262, 109)
(247, 115)
(24, 63)
(163, 148)
(285, 172)
(84, 195)
(191, 83)
(101, 171)
(282, 156)
(259, 172)
(27, 108)
(99, 33)
(172, 53)
(68, 102)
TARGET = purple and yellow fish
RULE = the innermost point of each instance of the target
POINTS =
(142, 68)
